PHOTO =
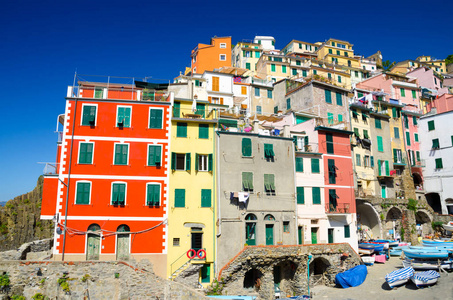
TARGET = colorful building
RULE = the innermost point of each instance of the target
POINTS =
(213, 56)
(113, 167)
(245, 55)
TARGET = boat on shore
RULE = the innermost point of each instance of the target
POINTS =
(427, 278)
(436, 243)
(352, 277)
(399, 277)
(448, 226)
(419, 264)
(426, 254)
(368, 260)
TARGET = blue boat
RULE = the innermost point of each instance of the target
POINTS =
(426, 254)
(352, 277)
(433, 243)
(426, 278)
(399, 277)
(376, 247)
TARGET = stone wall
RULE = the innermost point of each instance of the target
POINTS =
(292, 265)
(93, 280)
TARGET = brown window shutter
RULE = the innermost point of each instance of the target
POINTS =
(210, 99)
(221, 100)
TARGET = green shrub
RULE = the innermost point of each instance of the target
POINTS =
(412, 205)
(18, 297)
(39, 296)
(4, 281)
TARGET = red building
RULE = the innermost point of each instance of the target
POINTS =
(112, 170)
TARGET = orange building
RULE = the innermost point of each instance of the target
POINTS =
(209, 57)
(112, 169)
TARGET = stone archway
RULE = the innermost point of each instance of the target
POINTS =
(284, 277)
(252, 279)
(423, 221)
(433, 200)
(392, 223)
(318, 267)
(418, 181)
(368, 218)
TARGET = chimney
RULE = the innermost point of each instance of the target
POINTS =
(286, 131)
(256, 126)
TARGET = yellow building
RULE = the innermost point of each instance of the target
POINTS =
(334, 76)
(338, 52)
(246, 55)
(403, 67)
(437, 65)
(272, 66)
(191, 216)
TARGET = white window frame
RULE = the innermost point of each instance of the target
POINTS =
(75, 195)
(81, 114)
(147, 154)
(222, 45)
(111, 191)
(92, 154)
(128, 152)
(130, 117)
(149, 116)
(160, 191)
(224, 56)
(202, 157)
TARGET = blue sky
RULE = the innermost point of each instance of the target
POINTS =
(44, 42)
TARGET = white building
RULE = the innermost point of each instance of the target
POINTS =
(268, 42)
(219, 87)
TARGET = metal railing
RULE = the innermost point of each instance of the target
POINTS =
(340, 208)
(186, 113)
(124, 93)
(399, 160)
(182, 260)
(310, 147)
(50, 168)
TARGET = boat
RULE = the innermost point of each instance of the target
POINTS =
(368, 260)
(399, 277)
(392, 243)
(426, 278)
(436, 243)
(419, 264)
(426, 254)
(375, 247)
(395, 252)
(365, 251)
(352, 277)
(448, 226)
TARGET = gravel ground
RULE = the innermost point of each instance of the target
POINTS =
(376, 288)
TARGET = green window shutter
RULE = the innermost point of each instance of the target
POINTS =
(288, 103)
(300, 195)
(357, 159)
(315, 165)
(154, 155)
(339, 100)
(347, 231)
(269, 94)
(403, 92)
(408, 138)
(115, 194)
(127, 117)
(269, 151)
(86, 153)
(88, 115)
(330, 118)
(180, 197)
(431, 125)
(121, 115)
(315, 72)
(246, 147)
(330, 51)
(299, 164)
(379, 167)
(247, 66)
(203, 131)
(414, 120)
(304, 73)
(257, 54)
(200, 110)
(328, 96)
(173, 161)
(210, 162)
(257, 92)
(339, 79)
(436, 144)
(283, 69)
(176, 109)
(394, 112)
(187, 161)
(414, 94)
(377, 123)
(396, 132)
(380, 145)
(181, 130)
(418, 155)
(406, 121)
(395, 155)
(83, 193)
(272, 67)
(365, 134)
(258, 109)
(415, 137)
(196, 161)
(356, 132)
(372, 161)
(205, 198)
(439, 164)
(329, 143)
(387, 169)
(155, 118)
(329, 75)
(316, 195)
(247, 181)
(340, 118)
(294, 72)
(332, 170)
(121, 154)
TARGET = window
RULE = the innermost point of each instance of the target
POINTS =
(205, 198)
(276, 109)
(283, 69)
(377, 123)
(83, 191)
(298, 63)
(222, 45)
(244, 90)
(358, 159)
(304, 73)
(439, 163)
(300, 195)
(366, 161)
(258, 109)
(272, 67)
(153, 194)
(383, 167)
(397, 156)
(123, 116)
(98, 93)
(247, 66)
(396, 132)
(431, 125)
(269, 184)
(414, 94)
(203, 162)
(180, 161)
(154, 155)
(257, 54)
(356, 74)
(406, 122)
(299, 164)
(408, 138)
(356, 132)
(330, 51)
(286, 226)
(269, 152)
(339, 79)
(329, 143)
(372, 161)
(246, 147)
(403, 92)
(294, 72)
(414, 120)
(176, 242)
(89, 115)
(316, 195)
(380, 145)
(203, 131)
(332, 169)
(346, 54)
(436, 144)
(222, 57)
(338, 52)
(340, 118)
(328, 96)
(330, 118)
(257, 92)
(288, 103)
(339, 100)
(315, 72)
(416, 137)
(347, 231)
(121, 154)
(365, 134)
(197, 82)
(315, 165)
(269, 94)
(354, 114)
(395, 112)
(215, 83)
(85, 153)
(180, 197)
(155, 118)
(247, 181)
(181, 129)
(176, 109)
(329, 75)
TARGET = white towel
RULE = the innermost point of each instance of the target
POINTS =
(243, 197)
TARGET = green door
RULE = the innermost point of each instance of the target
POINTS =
(122, 244)
(299, 234)
(383, 191)
(330, 235)
(93, 243)
(250, 234)
(205, 273)
(314, 235)
(269, 234)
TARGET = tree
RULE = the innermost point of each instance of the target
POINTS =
(387, 65)
(449, 59)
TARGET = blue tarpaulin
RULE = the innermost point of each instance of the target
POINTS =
(352, 277)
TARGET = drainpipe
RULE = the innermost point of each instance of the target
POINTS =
(308, 272)
(213, 192)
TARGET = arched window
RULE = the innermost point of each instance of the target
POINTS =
(93, 242)
(123, 228)
(269, 218)
(250, 217)
(250, 229)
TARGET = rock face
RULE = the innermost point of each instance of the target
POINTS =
(20, 220)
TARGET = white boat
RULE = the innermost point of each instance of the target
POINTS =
(448, 226)
(426, 278)
(365, 251)
(368, 260)
(428, 264)
(399, 277)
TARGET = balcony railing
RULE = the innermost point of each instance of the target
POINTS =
(340, 208)
(363, 193)
(49, 168)
(115, 92)
(311, 147)
(201, 113)
(399, 161)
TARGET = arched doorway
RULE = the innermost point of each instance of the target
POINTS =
(368, 219)
(284, 277)
(252, 279)
(418, 181)
(433, 200)
(269, 229)
(250, 229)
(93, 242)
(423, 222)
(122, 242)
(392, 227)
(317, 268)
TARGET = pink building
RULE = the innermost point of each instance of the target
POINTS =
(442, 104)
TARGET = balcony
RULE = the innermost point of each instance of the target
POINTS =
(194, 114)
(360, 193)
(340, 208)
(309, 148)
(50, 168)
(399, 161)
